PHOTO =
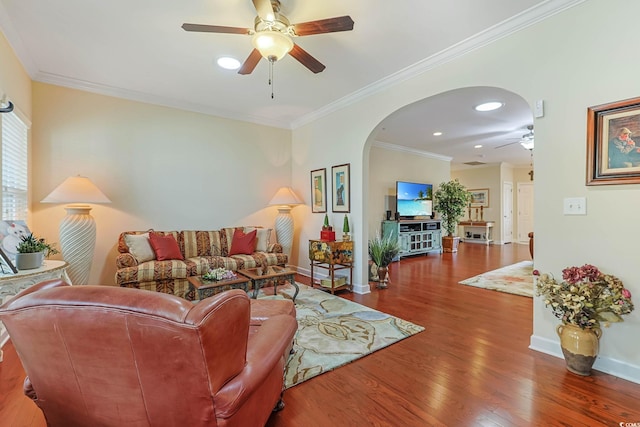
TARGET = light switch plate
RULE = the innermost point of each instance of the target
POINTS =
(539, 108)
(575, 206)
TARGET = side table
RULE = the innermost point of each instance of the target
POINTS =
(332, 256)
(12, 284)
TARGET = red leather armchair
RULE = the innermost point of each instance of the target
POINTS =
(111, 356)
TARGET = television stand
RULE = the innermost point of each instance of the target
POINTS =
(415, 236)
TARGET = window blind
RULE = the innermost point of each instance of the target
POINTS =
(14, 167)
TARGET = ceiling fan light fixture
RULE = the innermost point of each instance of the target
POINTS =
(272, 45)
(527, 144)
(489, 106)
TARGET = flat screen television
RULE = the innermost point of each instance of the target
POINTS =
(414, 199)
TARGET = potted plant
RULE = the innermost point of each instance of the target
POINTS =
(31, 252)
(583, 299)
(382, 251)
(345, 229)
(450, 200)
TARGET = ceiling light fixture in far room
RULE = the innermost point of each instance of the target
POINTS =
(437, 133)
(488, 106)
(228, 63)
(477, 146)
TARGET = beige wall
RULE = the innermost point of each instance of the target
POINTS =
(571, 67)
(388, 165)
(14, 80)
(162, 168)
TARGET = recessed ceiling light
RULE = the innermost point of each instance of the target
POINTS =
(437, 133)
(228, 63)
(489, 106)
(477, 146)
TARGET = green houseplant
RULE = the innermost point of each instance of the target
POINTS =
(345, 229)
(450, 200)
(31, 252)
(382, 251)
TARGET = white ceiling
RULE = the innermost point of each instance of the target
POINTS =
(137, 50)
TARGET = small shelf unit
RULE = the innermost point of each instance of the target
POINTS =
(416, 236)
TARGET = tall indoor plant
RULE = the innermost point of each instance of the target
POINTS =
(450, 200)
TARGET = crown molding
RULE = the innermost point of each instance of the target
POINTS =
(393, 147)
(153, 99)
(516, 23)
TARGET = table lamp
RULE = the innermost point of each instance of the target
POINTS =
(78, 228)
(285, 199)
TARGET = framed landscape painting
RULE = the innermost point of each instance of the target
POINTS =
(341, 188)
(319, 190)
(613, 156)
(479, 198)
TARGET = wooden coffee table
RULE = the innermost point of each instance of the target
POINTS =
(275, 274)
(206, 288)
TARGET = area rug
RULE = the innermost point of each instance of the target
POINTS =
(333, 331)
(513, 279)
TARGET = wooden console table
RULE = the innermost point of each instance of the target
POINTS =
(332, 256)
(12, 284)
(476, 231)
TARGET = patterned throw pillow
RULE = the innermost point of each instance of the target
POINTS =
(140, 247)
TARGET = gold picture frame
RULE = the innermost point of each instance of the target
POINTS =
(612, 155)
(479, 198)
(319, 190)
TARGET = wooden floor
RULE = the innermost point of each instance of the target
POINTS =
(470, 367)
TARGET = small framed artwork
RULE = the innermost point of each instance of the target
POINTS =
(613, 156)
(479, 198)
(319, 190)
(341, 188)
(5, 261)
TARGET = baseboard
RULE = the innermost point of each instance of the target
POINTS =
(604, 364)
(356, 288)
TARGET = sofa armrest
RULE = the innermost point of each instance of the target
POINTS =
(275, 248)
(126, 260)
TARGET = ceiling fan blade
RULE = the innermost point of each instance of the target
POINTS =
(505, 145)
(251, 62)
(200, 28)
(264, 9)
(307, 60)
(330, 25)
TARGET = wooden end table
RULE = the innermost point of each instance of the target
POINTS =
(206, 288)
(275, 274)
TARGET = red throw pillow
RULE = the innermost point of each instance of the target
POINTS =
(165, 247)
(243, 244)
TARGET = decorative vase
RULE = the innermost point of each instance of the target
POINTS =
(579, 346)
(29, 261)
(383, 277)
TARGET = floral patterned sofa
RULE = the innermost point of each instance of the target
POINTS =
(201, 249)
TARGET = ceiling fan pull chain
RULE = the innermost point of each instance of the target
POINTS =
(271, 76)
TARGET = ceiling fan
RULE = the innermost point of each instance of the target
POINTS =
(526, 141)
(272, 35)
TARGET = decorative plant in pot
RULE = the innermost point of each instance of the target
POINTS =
(585, 298)
(382, 251)
(31, 252)
(345, 229)
(450, 200)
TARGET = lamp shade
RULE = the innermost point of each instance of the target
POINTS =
(272, 45)
(76, 189)
(285, 197)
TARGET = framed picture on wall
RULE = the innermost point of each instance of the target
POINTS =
(341, 188)
(479, 198)
(613, 155)
(319, 190)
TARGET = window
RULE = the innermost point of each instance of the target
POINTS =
(14, 167)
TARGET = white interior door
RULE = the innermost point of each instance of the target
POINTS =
(507, 212)
(525, 211)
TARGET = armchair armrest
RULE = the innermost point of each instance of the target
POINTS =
(126, 260)
(275, 248)
(264, 355)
